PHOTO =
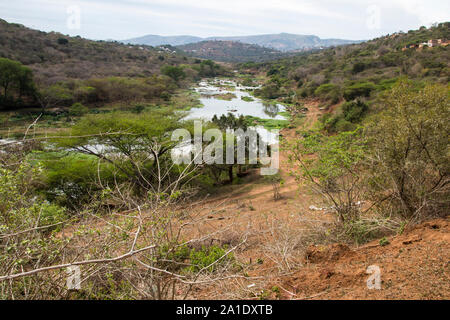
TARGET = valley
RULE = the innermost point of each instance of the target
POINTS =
(88, 178)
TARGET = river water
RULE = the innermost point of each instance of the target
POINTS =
(214, 106)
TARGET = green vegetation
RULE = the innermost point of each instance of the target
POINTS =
(360, 71)
(225, 96)
(98, 185)
(347, 117)
(398, 162)
(230, 51)
(269, 124)
(16, 83)
(247, 99)
(176, 73)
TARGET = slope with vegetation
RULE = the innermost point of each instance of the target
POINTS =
(282, 41)
(50, 70)
(355, 72)
(230, 51)
(104, 194)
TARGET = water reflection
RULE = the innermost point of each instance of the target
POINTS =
(214, 106)
(271, 110)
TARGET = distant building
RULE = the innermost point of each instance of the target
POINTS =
(429, 44)
(432, 43)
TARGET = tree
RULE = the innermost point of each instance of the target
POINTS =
(354, 111)
(144, 244)
(135, 144)
(77, 110)
(410, 148)
(359, 89)
(176, 73)
(55, 95)
(227, 122)
(63, 41)
(16, 81)
(331, 165)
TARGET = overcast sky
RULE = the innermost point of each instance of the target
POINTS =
(124, 19)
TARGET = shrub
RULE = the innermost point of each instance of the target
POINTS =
(203, 258)
(354, 111)
(358, 67)
(18, 204)
(16, 81)
(409, 141)
(78, 110)
(359, 89)
(176, 73)
(329, 91)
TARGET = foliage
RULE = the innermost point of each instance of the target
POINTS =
(130, 142)
(176, 73)
(354, 111)
(335, 169)
(16, 82)
(359, 89)
(410, 150)
(206, 258)
(77, 109)
(17, 203)
(329, 91)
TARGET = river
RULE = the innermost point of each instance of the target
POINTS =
(215, 106)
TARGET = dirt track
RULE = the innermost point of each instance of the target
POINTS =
(414, 265)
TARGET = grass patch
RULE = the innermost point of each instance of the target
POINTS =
(224, 96)
(269, 124)
(247, 99)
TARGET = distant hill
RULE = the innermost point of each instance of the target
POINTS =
(358, 71)
(155, 40)
(56, 57)
(288, 42)
(281, 42)
(230, 51)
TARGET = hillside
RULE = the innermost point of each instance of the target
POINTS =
(54, 57)
(230, 51)
(281, 42)
(288, 42)
(155, 40)
(358, 71)
(58, 70)
(91, 182)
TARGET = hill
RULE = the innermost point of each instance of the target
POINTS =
(57, 70)
(282, 41)
(55, 57)
(288, 42)
(230, 51)
(155, 40)
(358, 71)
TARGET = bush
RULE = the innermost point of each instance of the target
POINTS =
(409, 141)
(329, 91)
(16, 82)
(63, 41)
(203, 258)
(354, 111)
(18, 204)
(78, 110)
(358, 67)
(176, 73)
(360, 89)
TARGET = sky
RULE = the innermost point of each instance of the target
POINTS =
(125, 19)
